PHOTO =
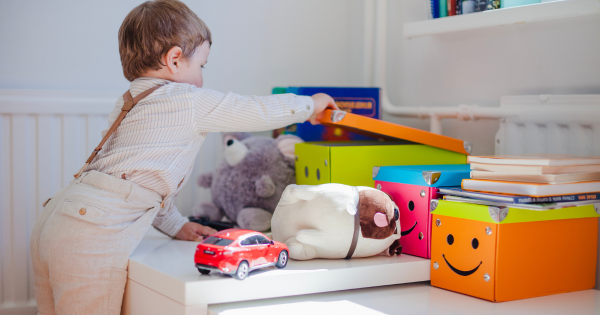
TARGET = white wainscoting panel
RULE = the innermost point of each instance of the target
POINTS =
(45, 137)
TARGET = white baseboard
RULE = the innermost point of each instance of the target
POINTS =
(29, 308)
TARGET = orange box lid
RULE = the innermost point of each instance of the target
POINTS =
(389, 131)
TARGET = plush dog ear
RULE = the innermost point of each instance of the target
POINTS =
(235, 135)
(286, 145)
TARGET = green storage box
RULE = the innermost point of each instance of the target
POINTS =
(351, 163)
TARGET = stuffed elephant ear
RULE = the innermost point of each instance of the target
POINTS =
(287, 146)
(235, 135)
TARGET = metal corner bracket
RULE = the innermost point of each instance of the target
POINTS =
(375, 171)
(433, 205)
(498, 214)
(468, 146)
(337, 115)
(431, 177)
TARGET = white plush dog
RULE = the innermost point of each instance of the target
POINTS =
(336, 221)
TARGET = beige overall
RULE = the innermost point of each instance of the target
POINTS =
(82, 241)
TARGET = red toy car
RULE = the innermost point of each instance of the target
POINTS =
(237, 252)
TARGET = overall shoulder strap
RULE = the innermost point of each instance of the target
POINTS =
(129, 103)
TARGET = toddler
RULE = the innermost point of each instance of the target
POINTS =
(82, 241)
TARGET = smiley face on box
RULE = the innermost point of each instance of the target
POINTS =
(503, 254)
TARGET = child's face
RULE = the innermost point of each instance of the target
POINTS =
(190, 70)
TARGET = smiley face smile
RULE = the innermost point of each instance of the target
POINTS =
(460, 272)
(404, 233)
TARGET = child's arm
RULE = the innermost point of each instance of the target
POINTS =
(215, 111)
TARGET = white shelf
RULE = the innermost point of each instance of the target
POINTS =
(163, 269)
(500, 17)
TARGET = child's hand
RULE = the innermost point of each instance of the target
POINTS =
(322, 102)
(192, 231)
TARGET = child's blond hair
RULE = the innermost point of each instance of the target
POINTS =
(154, 27)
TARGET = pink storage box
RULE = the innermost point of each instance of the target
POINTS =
(413, 187)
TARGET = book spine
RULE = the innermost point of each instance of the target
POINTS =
(430, 10)
(443, 8)
(452, 7)
(435, 8)
(481, 5)
(466, 7)
(492, 5)
(459, 7)
(563, 198)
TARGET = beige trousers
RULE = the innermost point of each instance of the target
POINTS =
(81, 243)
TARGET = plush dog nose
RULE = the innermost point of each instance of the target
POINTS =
(380, 219)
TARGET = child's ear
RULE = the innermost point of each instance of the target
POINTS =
(173, 59)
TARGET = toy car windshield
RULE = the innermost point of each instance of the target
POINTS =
(217, 241)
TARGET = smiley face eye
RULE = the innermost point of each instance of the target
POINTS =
(475, 243)
(450, 239)
(411, 205)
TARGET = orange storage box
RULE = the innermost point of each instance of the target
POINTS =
(384, 130)
(503, 254)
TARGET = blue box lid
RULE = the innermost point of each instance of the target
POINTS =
(447, 175)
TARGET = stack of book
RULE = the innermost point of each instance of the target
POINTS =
(443, 8)
(537, 182)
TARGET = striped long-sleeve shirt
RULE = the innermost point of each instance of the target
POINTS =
(156, 144)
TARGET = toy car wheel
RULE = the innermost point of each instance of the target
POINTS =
(282, 259)
(242, 271)
(204, 271)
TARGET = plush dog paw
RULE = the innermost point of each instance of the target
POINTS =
(254, 219)
(300, 251)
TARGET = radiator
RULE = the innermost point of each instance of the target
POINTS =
(45, 137)
(559, 124)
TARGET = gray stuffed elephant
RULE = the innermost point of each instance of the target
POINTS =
(247, 186)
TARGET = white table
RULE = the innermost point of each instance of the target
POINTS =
(163, 279)
(412, 299)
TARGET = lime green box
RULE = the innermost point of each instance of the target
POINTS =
(351, 163)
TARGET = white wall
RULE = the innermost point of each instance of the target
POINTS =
(479, 66)
(72, 45)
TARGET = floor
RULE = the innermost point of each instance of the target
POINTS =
(416, 298)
